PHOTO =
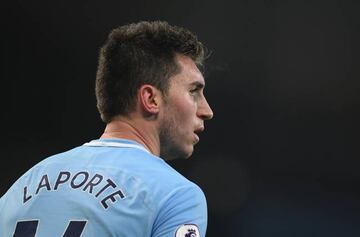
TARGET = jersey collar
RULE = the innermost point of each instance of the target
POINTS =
(116, 142)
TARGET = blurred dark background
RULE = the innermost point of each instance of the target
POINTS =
(280, 157)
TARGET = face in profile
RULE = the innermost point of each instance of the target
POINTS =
(184, 111)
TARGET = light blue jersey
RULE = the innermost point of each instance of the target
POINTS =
(107, 187)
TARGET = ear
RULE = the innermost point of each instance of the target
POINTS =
(149, 98)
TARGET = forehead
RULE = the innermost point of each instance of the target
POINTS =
(189, 72)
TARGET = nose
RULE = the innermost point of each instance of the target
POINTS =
(204, 110)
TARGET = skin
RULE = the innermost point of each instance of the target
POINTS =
(167, 124)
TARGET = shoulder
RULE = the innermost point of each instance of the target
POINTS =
(156, 172)
(181, 211)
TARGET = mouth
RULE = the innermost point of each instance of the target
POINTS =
(196, 138)
(197, 132)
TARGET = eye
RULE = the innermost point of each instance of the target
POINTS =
(194, 90)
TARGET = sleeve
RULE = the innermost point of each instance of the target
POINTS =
(182, 213)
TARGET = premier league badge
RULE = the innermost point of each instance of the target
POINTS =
(187, 230)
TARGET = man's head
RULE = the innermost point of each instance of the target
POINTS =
(150, 70)
(137, 54)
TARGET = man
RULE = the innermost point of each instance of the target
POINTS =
(150, 94)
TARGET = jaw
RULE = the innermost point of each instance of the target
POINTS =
(171, 151)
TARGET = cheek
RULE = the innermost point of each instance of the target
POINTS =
(185, 109)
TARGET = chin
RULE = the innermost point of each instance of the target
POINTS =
(188, 153)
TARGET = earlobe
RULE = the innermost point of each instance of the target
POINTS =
(149, 98)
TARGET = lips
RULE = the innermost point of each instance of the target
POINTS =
(196, 138)
(199, 129)
(196, 133)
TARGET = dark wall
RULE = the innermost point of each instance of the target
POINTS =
(280, 157)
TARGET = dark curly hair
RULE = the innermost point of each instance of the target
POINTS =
(136, 54)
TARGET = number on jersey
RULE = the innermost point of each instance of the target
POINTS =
(28, 228)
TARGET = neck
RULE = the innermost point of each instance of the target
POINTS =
(136, 130)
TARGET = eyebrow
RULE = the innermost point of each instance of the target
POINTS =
(198, 84)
